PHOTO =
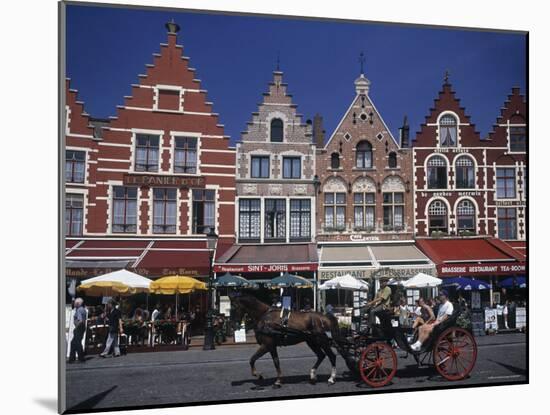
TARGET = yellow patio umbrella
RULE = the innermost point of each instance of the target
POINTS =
(176, 284)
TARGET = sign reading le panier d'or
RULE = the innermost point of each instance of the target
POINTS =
(158, 180)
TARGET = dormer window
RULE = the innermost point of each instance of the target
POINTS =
(447, 131)
(518, 139)
(277, 130)
(335, 161)
(392, 160)
(363, 155)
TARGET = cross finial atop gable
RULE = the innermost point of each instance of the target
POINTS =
(362, 62)
(446, 79)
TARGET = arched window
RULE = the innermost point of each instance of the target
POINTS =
(363, 156)
(277, 130)
(392, 160)
(335, 161)
(465, 174)
(437, 217)
(437, 173)
(447, 131)
(466, 216)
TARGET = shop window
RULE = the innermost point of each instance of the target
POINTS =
(124, 209)
(185, 155)
(292, 167)
(506, 183)
(392, 160)
(507, 223)
(75, 166)
(259, 167)
(437, 173)
(466, 216)
(465, 173)
(249, 219)
(363, 155)
(437, 217)
(448, 131)
(300, 219)
(393, 207)
(335, 161)
(204, 210)
(335, 211)
(147, 153)
(363, 211)
(277, 130)
(275, 219)
(164, 210)
(168, 99)
(518, 139)
(74, 214)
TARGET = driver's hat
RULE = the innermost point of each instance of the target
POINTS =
(384, 279)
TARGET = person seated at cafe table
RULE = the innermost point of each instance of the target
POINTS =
(445, 311)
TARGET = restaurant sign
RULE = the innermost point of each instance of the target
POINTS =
(265, 268)
(183, 182)
(328, 274)
(447, 270)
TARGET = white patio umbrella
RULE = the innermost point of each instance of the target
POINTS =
(121, 282)
(345, 282)
(422, 280)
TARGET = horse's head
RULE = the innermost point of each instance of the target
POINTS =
(246, 305)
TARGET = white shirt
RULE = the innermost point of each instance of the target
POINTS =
(445, 309)
(154, 315)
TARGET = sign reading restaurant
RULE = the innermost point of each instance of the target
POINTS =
(160, 180)
(480, 269)
(265, 268)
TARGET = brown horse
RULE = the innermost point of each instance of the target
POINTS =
(316, 329)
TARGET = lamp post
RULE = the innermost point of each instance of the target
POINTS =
(211, 239)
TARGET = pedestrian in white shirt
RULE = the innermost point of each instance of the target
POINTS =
(443, 313)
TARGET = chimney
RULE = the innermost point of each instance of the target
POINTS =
(318, 132)
(404, 134)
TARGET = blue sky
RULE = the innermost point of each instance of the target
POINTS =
(235, 55)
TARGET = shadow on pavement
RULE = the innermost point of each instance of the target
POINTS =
(48, 403)
(93, 401)
(514, 369)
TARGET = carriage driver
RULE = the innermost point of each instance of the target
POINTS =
(381, 302)
(444, 312)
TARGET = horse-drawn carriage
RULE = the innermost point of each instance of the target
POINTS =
(451, 349)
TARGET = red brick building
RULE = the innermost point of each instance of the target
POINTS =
(365, 219)
(465, 185)
(145, 186)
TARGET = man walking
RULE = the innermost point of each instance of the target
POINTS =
(115, 328)
(78, 331)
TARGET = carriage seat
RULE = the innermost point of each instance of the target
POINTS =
(451, 321)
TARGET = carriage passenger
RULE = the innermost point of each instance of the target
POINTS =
(444, 312)
(424, 314)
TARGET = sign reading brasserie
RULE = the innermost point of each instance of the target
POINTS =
(158, 180)
(265, 268)
(480, 269)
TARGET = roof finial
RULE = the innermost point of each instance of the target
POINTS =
(446, 79)
(362, 62)
(278, 60)
(172, 27)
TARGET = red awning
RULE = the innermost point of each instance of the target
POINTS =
(148, 257)
(520, 246)
(268, 258)
(476, 256)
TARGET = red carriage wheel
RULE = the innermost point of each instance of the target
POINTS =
(455, 353)
(378, 364)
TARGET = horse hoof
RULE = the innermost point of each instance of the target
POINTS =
(313, 381)
(277, 385)
(260, 377)
(331, 382)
